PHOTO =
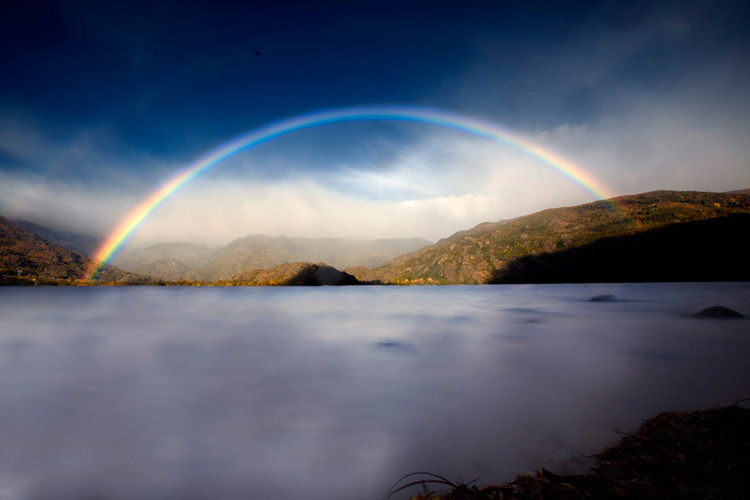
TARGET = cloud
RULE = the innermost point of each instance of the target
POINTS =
(439, 185)
(74, 206)
(430, 187)
(642, 97)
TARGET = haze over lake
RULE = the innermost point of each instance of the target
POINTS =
(334, 393)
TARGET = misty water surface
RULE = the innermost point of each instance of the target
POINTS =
(333, 393)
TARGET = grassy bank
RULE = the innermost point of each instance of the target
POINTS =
(703, 454)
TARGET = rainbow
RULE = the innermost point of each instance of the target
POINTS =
(481, 128)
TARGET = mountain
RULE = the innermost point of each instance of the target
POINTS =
(481, 254)
(703, 250)
(165, 269)
(260, 251)
(167, 261)
(81, 242)
(661, 235)
(27, 258)
(175, 261)
(295, 274)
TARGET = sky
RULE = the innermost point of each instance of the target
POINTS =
(101, 102)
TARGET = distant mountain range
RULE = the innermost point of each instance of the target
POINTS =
(167, 261)
(484, 253)
(176, 261)
(656, 236)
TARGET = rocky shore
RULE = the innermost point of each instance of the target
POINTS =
(698, 455)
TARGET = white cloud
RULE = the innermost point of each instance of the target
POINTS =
(444, 182)
(415, 196)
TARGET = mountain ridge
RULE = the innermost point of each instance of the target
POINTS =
(700, 250)
(476, 254)
(78, 241)
(25, 258)
(511, 250)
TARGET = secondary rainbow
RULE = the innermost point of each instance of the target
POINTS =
(481, 128)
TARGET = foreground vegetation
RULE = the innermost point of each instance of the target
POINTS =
(699, 455)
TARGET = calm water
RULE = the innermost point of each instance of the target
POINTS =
(333, 393)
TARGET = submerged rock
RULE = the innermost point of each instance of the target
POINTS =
(392, 344)
(718, 312)
(395, 347)
(603, 298)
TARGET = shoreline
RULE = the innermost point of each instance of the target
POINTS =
(700, 454)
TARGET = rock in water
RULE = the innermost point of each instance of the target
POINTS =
(602, 298)
(718, 312)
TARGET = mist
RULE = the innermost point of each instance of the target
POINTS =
(280, 392)
(443, 183)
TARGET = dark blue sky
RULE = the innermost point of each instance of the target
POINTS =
(166, 76)
(120, 91)
(183, 75)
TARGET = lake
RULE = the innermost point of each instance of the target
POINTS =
(334, 393)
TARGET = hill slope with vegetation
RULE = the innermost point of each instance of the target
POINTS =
(703, 250)
(80, 242)
(481, 254)
(25, 258)
(294, 274)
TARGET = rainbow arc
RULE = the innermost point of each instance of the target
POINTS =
(119, 236)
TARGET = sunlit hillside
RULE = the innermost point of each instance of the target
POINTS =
(478, 254)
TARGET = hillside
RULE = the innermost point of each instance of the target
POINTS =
(27, 258)
(656, 236)
(80, 242)
(480, 254)
(704, 250)
(177, 261)
(295, 274)
(167, 261)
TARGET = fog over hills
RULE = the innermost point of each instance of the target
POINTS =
(80, 242)
(175, 261)
(166, 261)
